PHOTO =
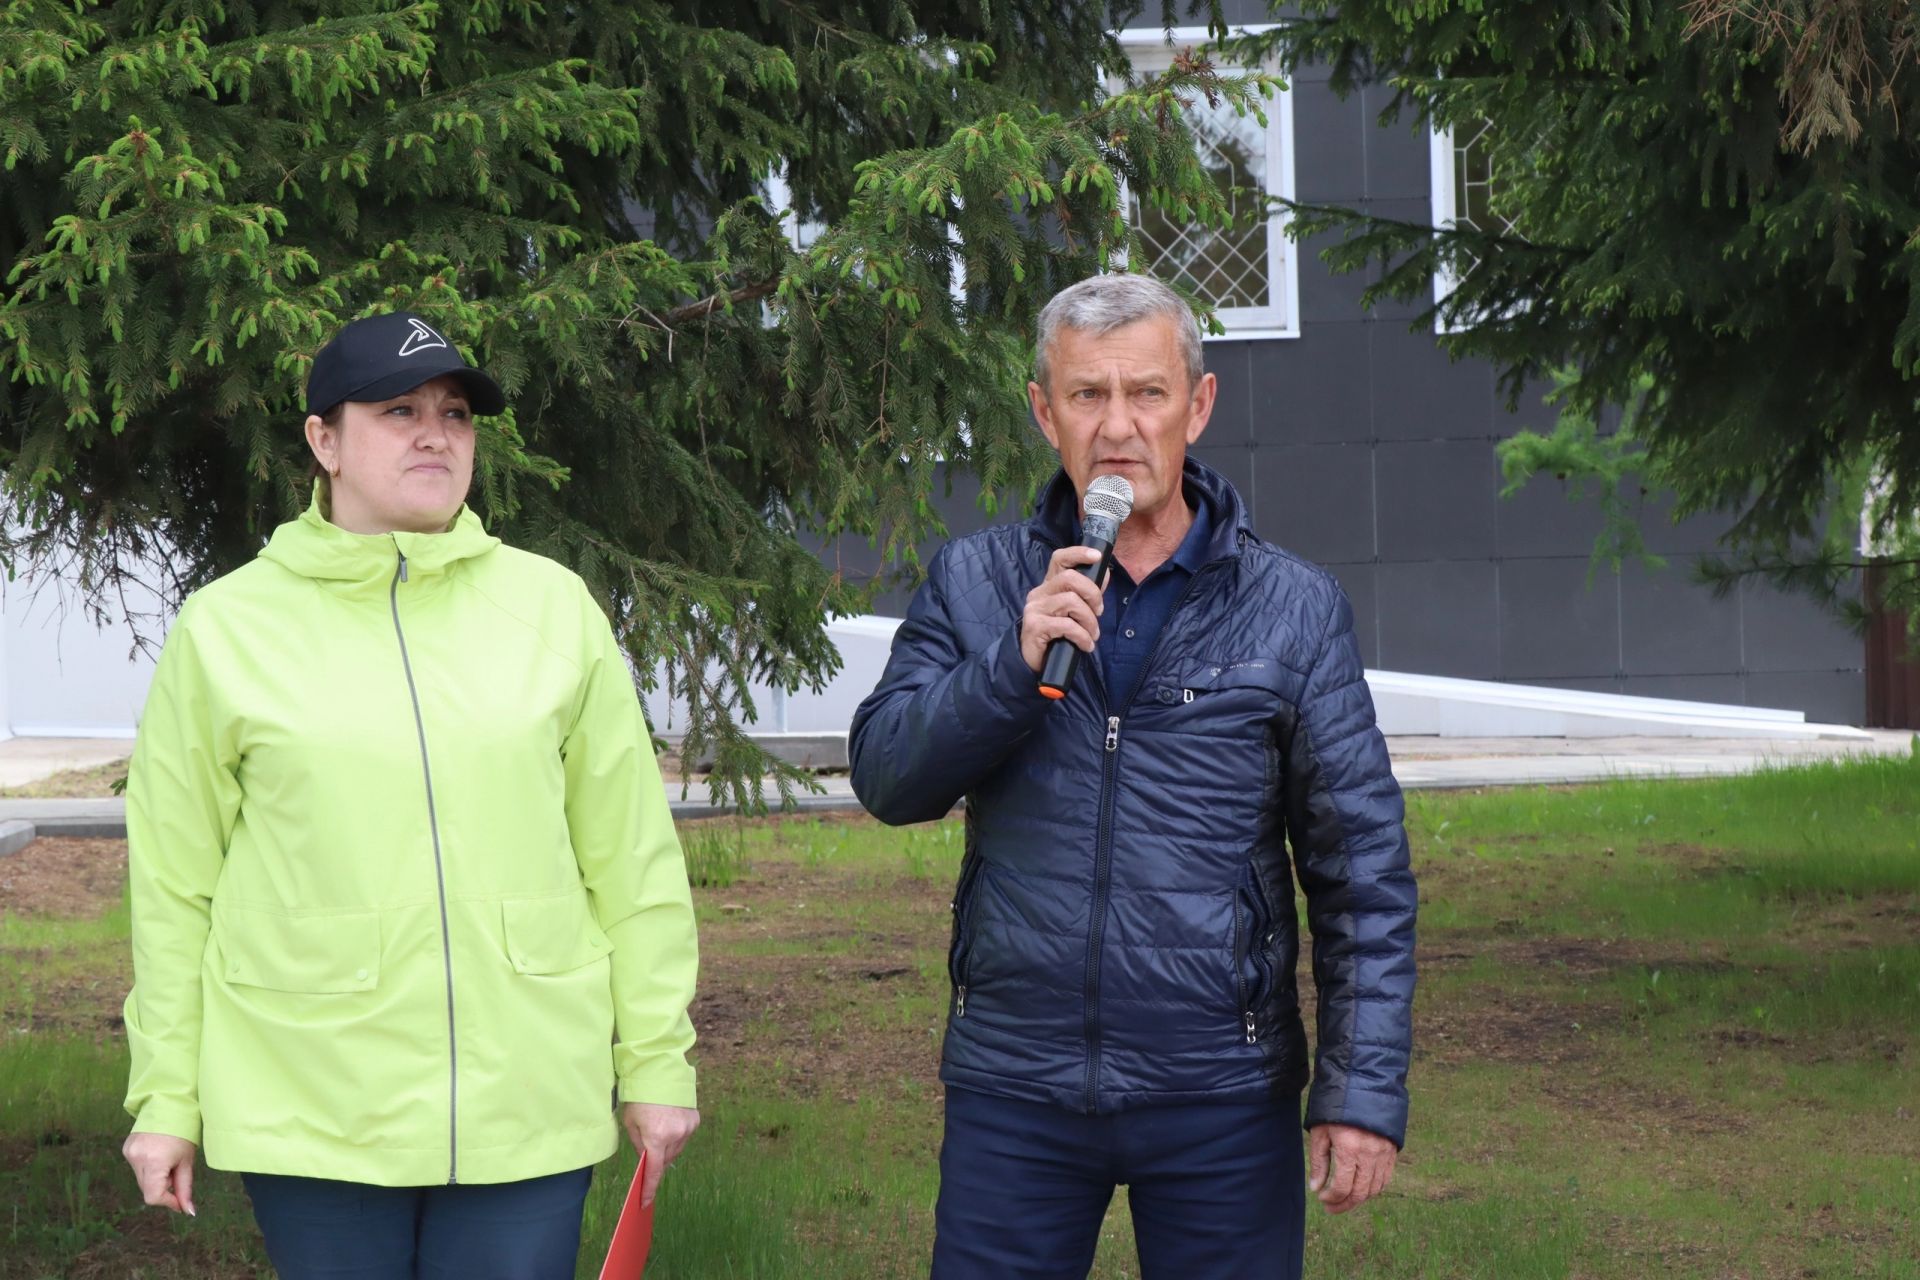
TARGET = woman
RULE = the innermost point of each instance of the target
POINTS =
(408, 905)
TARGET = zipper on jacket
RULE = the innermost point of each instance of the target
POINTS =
(439, 872)
(1239, 975)
(1103, 843)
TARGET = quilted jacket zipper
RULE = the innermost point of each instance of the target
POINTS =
(1103, 843)
(439, 871)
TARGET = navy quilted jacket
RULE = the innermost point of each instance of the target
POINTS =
(1124, 927)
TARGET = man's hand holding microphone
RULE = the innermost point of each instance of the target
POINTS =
(1065, 606)
(1062, 617)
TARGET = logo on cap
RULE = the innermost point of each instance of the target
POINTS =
(421, 338)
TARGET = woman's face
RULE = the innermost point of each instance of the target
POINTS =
(399, 464)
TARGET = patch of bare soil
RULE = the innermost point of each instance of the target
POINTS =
(1515, 1023)
(792, 981)
(67, 878)
(144, 1245)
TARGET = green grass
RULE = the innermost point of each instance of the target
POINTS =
(1665, 1029)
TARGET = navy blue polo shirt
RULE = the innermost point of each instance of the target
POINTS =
(1137, 610)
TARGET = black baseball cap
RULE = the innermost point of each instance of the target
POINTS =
(380, 357)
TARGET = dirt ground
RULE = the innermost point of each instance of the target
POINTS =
(69, 879)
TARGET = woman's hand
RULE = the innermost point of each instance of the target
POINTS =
(658, 1133)
(163, 1166)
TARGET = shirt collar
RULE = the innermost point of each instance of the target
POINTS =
(1195, 549)
(1192, 552)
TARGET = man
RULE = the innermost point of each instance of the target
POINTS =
(1124, 1007)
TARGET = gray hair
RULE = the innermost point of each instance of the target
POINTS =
(1101, 304)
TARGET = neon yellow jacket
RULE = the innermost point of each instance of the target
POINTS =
(407, 898)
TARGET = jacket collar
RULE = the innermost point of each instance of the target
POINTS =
(315, 547)
(1056, 515)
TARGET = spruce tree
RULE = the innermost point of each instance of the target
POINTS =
(197, 193)
(1707, 218)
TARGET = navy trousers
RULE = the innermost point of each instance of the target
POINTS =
(317, 1229)
(1218, 1192)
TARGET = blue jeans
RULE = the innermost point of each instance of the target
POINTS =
(317, 1229)
(1218, 1191)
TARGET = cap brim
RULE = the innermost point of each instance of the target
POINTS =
(483, 393)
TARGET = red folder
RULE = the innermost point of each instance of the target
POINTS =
(632, 1235)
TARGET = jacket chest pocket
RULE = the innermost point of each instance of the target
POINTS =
(331, 954)
(1247, 692)
(552, 935)
(1239, 703)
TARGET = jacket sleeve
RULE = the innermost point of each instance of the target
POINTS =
(941, 718)
(630, 860)
(183, 797)
(1345, 820)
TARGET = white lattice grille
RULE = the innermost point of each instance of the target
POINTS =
(1231, 267)
(1475, 191)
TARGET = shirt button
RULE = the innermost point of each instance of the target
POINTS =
(1129, 633)
(360, 975)
(1124, 599)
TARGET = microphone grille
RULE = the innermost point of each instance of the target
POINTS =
(1110, 496)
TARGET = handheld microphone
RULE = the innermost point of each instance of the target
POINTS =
(1109, 502)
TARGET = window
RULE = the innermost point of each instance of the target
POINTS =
(1465, 193)
(1246, 272)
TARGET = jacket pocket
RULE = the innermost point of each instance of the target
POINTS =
(959, 953)
(330, 954)
(1197, 682)
(1252, 953)
(554, 934)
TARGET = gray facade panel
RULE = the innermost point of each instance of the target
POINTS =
(1316, 388)
(1324, 297)
(1540, 520)
(1418, 212)
(1330, 145)
(1671, 627)
(1435, 500)
(1399, 155)
(1419, 393)
(1693, 535)
(1791, 633)
(1316, 500)
(1436, 618)
(1828, 697)
(1553, 624)
(1232, 421)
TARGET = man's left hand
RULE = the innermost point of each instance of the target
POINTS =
(1362, 1165)
(658, 1132)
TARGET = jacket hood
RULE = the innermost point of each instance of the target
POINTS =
(314, 547)
(1056, 515)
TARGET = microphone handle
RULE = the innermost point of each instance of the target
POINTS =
(1063, 656)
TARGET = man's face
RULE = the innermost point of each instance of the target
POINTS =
(1120, 403)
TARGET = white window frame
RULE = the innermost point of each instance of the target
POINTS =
(1444, 212)
(1155, 46)
(1443, 159)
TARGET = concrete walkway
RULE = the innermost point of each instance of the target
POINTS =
(24, 761)
(1419, 764)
